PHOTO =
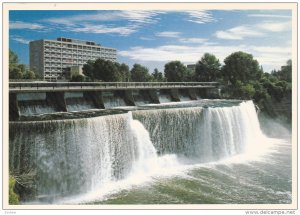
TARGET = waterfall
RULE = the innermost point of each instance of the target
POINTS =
(77, 156)
(203, 134)
(164, 97)
(111, 102)
(34, 104)
(80, 155)
(78, 102)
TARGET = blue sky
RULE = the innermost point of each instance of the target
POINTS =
(153, 38)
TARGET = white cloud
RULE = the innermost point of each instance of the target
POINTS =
(25, 25)
(146, 38)
(103, 29)
(268, 57)
(275, 26)
(99, 23)
(20, 40)
(238, 33)
(200, 16)
(172, 34)
(269, 16)
(193, 40)
(131, 15)
(258, 30)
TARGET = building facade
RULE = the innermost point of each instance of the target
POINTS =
(52, 59)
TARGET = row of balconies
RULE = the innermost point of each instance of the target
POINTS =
(69, 46)
(78, 52)
(79, 56)
(64, 59)
(47, 71)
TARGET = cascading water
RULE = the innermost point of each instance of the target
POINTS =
(111, 102)
(164, 98)
(80, 156)
(77, 102)
(204, 134)
(34, 104)
(77, 156)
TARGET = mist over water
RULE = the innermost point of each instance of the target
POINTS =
(194, 152)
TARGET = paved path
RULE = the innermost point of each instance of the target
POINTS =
(92, 86)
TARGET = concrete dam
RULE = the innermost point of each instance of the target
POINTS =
(33, 98)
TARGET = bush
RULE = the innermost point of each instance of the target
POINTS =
(13, 197)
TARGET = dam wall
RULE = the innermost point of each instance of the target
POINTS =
(35, 99)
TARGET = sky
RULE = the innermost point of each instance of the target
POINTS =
(154, 37)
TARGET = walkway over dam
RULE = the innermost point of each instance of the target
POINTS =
(91, 86)
(31, 98)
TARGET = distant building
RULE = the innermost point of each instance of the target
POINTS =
(192, 67)
(52, 59)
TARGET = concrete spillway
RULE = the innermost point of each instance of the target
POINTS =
(27, 103)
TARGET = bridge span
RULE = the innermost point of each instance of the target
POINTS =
(91, 86)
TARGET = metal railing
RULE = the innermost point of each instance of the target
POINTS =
(44, 86)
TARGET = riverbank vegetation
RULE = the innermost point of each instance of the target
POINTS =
(13, 197)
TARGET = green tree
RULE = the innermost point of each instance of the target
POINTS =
(175, 71)
(77, 78)
(13, 58)
(248, 91)
(29, 75)
(208, 68)
(15, 73)
(158, 76)
(140, 73)
(103, 70)
(124, 72)
(88, 70)
(240, 66)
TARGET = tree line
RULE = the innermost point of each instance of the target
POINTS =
(240, 77)
(19, 71)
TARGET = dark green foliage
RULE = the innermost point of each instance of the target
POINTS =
(88, 70)
(29, 75)
(243, 78)
(77, 78)
(241, 66)
(102, 70)
(175, 71)
(157, 76)
(15, 73)
(208, 68)
(124, 72)
(18, 71)
(140, 73)
(13, 57)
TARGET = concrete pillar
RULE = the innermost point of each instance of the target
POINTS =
(14, 112)
(212, 93)
(153, 96)
(192, 93)
(95, 97)
(128, 98)
(58, 100)
(202, 92)
(174, 95)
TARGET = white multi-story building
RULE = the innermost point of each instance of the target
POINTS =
(51, 59)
